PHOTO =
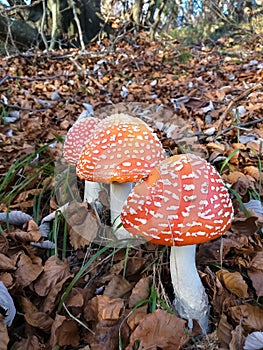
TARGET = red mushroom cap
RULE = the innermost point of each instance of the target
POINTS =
(183, 201)
(76, 138)
(122, 149)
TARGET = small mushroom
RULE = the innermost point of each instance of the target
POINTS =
(74, 142)
(122, 150)
(182, 202)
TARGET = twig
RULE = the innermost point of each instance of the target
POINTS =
(240, 125)
(76, 19)
(24, 108)
(231, 104)
(52, 77)
(42, 24)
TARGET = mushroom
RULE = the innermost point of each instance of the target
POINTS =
(74, 142)
(181, 203)
(122, 150)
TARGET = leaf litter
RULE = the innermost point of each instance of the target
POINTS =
(213, 106)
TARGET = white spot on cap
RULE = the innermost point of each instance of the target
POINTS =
(189, 187)
(126, 164)
(142, 221)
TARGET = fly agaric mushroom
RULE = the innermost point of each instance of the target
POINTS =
(181, 203)
(74, 142)
(121, 151)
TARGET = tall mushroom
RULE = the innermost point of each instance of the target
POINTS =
(181, 203)
(74, 142)
(122, 150)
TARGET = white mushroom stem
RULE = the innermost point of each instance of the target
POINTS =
(91, 191)
(118, 195)
(191, 301)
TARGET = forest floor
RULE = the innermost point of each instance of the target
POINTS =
(83, 294)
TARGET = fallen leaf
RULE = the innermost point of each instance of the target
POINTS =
(159, 330)
(51, 300)
(135, 265)
(4, 245)
(117, 287)
(26, 271)
(27, 306)
(84, 224)
(106, 335)
(54, 271)
(109, 308)
(256, 277)
(30, 343)
(251, 316)
(64, 332)
(6, 263)
(39, 320)
(252, 171)
(136, 316)
(140, 292)
(238, 339)
(224, 331)
(4, 338)
(75, 298)
(234, 282)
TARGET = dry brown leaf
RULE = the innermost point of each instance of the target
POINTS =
(55, 270)
(3, 244)
(106, 335)
(136, 316)
(109, 308)
(257, 261)
(238, 339)
(39, 320)
(234, 282)
(255, 273)
(255, 146)
(117, 287)
(84, 224)
(235, 176)
(212, 146)
(27, 306)
(224, 330)
(251, 316)
(64, 332)
(160, 330)
(140, 291)
(102, 307)
(23, 196)
(256, 276)
(30, 343)
(135, 265)
(75, 298)
(4, 338)
(244, 226)
(31, 233)
(7, 279)
(252, 171)
(234, 157)
(51, 300)
(26, 271)
(6, 263)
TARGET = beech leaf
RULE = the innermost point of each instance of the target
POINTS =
(160, 330)
(234, 282)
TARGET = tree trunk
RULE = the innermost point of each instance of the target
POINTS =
(137, 13)
(63, 22)
(23, 34)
